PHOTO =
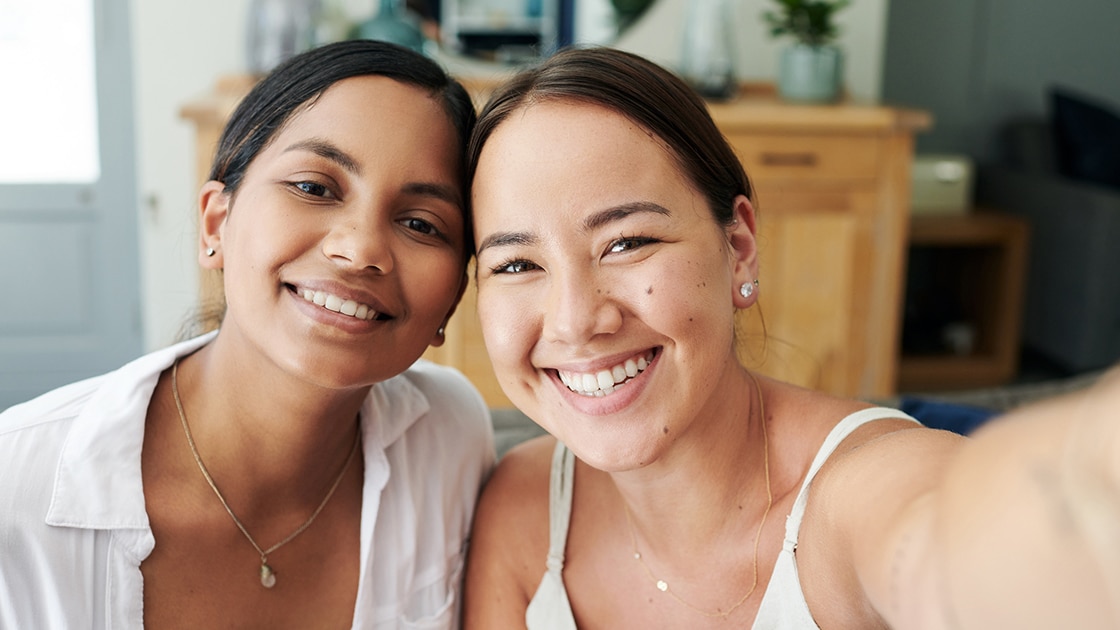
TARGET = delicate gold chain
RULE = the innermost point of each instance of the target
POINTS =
(268, 576)
(662, 585)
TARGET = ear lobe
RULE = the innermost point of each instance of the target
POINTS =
(743, 251)
(440, 335)
(213, 204)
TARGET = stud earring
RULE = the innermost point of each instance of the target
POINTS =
(210, 252)
(440, 331)
(747, 289)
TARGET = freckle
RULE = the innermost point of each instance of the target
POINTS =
(689, 319)
(649, 291)
(740, 507)
(665, 430)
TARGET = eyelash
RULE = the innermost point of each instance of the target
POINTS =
(323, 190)
(504, 266)
(429, 228)
(634, 241)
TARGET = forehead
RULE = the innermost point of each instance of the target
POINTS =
(572, 154)
(372, 104)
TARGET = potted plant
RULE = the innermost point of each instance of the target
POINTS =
(810, 70)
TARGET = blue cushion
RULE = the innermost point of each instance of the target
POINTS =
(1087, 136)
(962, 419)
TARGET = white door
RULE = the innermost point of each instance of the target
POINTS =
(69, 283)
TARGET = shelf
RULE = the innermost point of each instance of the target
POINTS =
(966, 271)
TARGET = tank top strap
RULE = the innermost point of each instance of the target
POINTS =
(559, 504)
(842, 430)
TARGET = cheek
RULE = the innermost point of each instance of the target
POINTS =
(432, 282)
(507, 322)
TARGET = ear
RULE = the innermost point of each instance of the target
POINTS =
(213, 203)
(743, 250)
(440, 337)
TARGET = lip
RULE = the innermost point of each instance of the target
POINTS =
(615, 401)
(336, 319)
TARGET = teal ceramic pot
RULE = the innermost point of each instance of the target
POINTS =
(810, 74)
(393, 23)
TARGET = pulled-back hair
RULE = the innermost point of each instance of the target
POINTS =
(651, 96)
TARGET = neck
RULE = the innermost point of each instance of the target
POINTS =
(726, 448)
(264, 438)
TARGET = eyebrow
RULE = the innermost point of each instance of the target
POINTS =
(331, 152)
(437, 191)
(591, 223)
(620, 212)
(327, 150)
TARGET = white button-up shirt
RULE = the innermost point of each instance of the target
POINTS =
(74, 530)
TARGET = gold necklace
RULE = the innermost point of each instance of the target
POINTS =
(662, 585)
(268, 576)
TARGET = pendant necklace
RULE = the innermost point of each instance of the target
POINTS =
(267, 574)
(662, 585)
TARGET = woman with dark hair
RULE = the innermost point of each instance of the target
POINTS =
(297, 467)
(615, 238)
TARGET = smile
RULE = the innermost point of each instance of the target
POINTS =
(606, 381)
(334, 303)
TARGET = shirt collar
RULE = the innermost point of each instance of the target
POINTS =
(98, 484)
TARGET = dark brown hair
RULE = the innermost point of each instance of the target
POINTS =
(644, 92)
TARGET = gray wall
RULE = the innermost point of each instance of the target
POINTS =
(976, 63)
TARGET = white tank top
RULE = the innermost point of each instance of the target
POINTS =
(783, 604)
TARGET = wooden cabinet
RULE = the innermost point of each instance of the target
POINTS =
(832, 198)
(973, 270)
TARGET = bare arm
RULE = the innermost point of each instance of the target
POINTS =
(1019, 529)
(509, 540)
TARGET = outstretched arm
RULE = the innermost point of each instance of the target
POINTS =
(1021, 530)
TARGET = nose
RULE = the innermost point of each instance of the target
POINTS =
(359, 241)
(580, 307)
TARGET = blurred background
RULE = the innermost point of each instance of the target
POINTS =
(99, 176)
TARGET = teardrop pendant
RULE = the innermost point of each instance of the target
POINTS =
(268, 577)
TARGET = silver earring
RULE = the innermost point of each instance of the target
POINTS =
(747, 289)
(210, 252)
(440, 331)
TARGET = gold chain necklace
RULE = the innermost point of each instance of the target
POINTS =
(662, 585)
(268, 576)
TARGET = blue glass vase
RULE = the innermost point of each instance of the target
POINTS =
(395, 24)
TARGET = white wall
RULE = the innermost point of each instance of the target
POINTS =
(181, 48)
(863, 24)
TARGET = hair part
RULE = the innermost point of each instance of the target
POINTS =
(642, 91)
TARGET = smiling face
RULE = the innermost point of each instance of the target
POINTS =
(342, 249)
(606, 289)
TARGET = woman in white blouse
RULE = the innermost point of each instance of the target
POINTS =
(297, 467)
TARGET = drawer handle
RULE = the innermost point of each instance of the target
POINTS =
(789, 159)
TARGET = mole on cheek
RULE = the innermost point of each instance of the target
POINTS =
(665, 430)
(649, 291)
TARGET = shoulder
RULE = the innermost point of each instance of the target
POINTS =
(857, 500)
(453, 404)
(448, 391)
(511, 531)
(64, 403)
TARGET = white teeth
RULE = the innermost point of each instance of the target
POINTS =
(339, 305)
(603, 382)
(605, 379)
(589, 383)
(618, 374)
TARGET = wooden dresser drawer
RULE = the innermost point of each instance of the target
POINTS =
(809, 158)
